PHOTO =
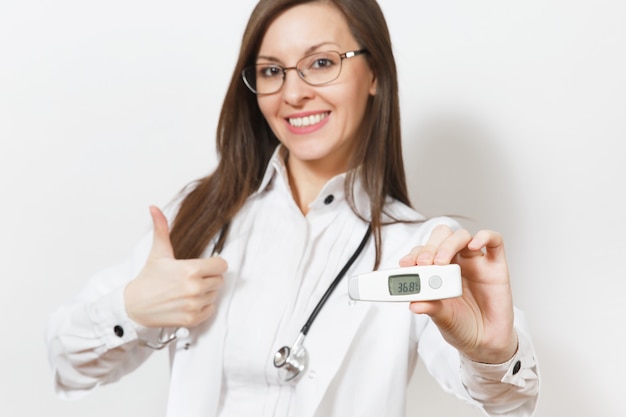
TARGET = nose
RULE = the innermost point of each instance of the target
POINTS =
(294, 89)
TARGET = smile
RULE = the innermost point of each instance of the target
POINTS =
(307, 120)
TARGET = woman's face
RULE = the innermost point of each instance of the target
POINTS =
(318, 124)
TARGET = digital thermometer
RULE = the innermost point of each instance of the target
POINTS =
(412, 283)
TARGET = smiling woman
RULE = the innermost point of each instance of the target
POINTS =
(310, 187)
(318, 124)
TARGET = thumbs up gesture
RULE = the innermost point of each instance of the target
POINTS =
(169, 292)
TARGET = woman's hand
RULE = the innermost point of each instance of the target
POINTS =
(170, 292)
(480, 322)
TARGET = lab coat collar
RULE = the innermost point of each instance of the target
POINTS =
(277, 171)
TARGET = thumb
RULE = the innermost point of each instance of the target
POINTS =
(161, 244)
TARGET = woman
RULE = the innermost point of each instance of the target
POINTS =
(309, 140)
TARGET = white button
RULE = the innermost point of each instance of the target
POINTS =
(435, 282)
(312, 374)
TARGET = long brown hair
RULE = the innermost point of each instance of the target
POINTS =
(245, 142)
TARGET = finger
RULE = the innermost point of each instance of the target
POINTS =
(196, 293)
(206, 286)
(490, 242)
(410, 259)
(455, 243)
(207, 311)
(205, 267)
(217, 264)
(431, 308)
(210, 297)
(427, 254)
(424, 254)
(205, 308)
(196, 315)
(161, 244)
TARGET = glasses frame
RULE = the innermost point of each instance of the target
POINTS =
(342, 56)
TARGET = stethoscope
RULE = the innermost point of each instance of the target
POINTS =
(165, 339)
(290, 361)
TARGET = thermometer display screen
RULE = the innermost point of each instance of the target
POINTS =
(405, 284)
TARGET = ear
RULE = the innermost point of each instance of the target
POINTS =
(373, 85)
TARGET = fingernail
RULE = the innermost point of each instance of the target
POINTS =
(425, 259)
(407, 259)
(440, 258)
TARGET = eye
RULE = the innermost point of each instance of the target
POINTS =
(268, 71)
(322, 63)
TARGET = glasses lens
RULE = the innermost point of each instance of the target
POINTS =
(263, 78)
(249, 79)
(320, 68)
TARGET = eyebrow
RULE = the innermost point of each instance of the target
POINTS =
(309, 50)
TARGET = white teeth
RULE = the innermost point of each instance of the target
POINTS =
(308, 120)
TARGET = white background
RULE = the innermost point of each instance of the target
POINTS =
(513, 115)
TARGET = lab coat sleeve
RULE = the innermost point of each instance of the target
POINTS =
(90, 339)
(509, 389)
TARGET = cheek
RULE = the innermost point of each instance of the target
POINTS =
(356, 101)
(357, 96)
(263, 106)
(268, 107)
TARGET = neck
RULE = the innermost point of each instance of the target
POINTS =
(307, 178)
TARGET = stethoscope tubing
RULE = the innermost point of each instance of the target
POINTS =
(292, 361)
(333, 285)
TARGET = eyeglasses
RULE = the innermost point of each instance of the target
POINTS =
(316, 69)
